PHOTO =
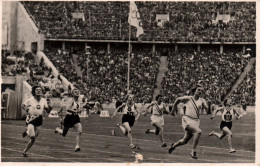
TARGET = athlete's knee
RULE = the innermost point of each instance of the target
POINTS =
(129, 131)
(64, 132)
(230, 134)
(80, 132)
(198, 131)
(183, 141)
(32, 137)
(159, 130)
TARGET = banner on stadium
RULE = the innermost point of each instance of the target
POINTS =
(161, 19)
(78, 16)
(134, 18)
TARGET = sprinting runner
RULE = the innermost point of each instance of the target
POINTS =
(34, 106)
(72, 119)
(190, 120)
(228, 113)
(157, 119)
(130, 115)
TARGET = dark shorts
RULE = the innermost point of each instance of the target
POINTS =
(225, 124)
(129, 119)
(71, 120)
(36, 122)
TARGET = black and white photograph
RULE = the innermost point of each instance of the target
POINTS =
(128, 82)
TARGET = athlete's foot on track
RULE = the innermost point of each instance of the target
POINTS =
(132, 146)
(24, 155)
(77, 149)
(117, 125)
(164, 145)
(232, 151)
(147, 131)
(56, 131)
(194, 155)
(171, 149)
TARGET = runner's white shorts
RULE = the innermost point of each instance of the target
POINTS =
(157, 119)
(187, 121)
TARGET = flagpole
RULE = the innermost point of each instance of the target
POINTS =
(129, 49)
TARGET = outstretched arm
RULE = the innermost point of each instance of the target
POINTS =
(118, 108)
(165, 108)
(238, 116)
(215, 112)
(183, 99)
(150, 105)
(204, 104)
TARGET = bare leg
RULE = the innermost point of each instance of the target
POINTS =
(229, 135)
(219, 135)
(159, 131)
(31, 131)
(197, 133)
(124, 131)
(78, 127)
(129, 131)
(184, 140)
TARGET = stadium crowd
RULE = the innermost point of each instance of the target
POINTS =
(109, 20)
(18, 63)
(105, 76)
(244, 94)
(218, 72)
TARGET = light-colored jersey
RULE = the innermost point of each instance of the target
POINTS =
(158, 109)
(130, 110)
(193, 108)
(228, 114)
(36, 107)
(73, 105)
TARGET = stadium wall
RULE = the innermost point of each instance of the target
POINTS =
(9, 24)
(27, 31)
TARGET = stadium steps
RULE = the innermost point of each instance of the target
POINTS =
(162, 69)
(77, 67)
(242, 76)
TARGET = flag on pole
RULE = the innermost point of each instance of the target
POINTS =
(134, 18)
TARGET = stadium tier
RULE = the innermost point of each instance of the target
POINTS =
(201, 21)
(103, 75)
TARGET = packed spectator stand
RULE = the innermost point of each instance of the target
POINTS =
(218, 71)
(104, 74)
(109, 20)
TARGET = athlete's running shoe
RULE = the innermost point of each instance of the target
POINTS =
(164, 145)
(77, 149)
(24, 154)
(232, 150)
(56, 131)
(171, 149)
(194, 155)
(132, 146)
